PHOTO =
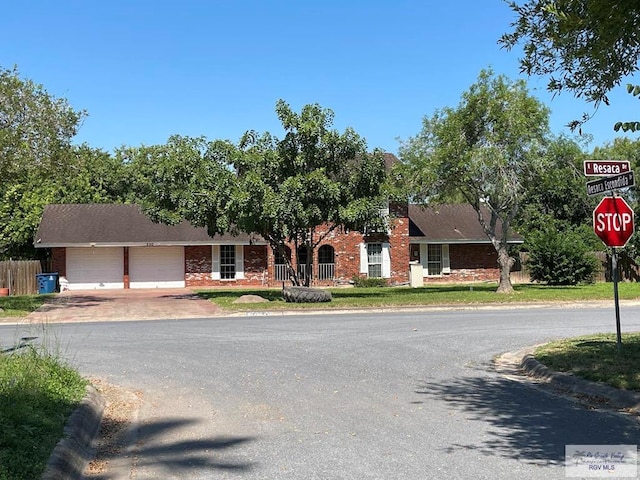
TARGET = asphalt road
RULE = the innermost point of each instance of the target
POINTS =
(367, 396)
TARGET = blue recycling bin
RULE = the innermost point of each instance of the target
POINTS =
(47, 282)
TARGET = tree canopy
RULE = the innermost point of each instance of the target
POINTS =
(486, 151)
(556, 195)
(39, 164)
(585, 46)
(35, 128)
(297, 189)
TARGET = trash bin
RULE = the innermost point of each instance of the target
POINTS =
(47, 282)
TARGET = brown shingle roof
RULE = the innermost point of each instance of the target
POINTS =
(448, 224)
(118, 224)
(389, 161)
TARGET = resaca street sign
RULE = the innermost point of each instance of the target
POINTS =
(606, 168)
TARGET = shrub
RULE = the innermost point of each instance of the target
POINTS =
(364, 282)
(560, 257)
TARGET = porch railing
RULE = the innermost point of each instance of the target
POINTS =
(326, 271)
(281, 274)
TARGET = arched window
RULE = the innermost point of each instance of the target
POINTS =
(326, 262)
(302, 261)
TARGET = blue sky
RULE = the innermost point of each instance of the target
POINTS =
(144, 70)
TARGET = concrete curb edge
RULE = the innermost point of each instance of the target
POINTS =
(74, 451)
(621, 399)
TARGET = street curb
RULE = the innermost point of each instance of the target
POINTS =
(74, 451)
(613, 397)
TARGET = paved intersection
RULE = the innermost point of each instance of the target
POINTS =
(407, 395)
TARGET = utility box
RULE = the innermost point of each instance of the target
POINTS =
(417, 279)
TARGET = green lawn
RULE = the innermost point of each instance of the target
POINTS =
(20, 306)
(596, 358)
(433, 295)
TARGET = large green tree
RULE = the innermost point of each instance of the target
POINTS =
(587, 47)
(555, 218)
(36, 129)
(85, 175)
(39, 164)
(556, 195)
(297, 189)
(486, 150)
(186, 178)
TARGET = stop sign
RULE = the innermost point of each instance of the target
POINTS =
(613, 221)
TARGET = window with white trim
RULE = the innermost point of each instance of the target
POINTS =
(435, 259)
(227, 262)
(374, 260)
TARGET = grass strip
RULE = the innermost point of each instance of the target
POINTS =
(37, 394)
(595, 358)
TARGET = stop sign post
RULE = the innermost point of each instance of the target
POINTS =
(613, 222)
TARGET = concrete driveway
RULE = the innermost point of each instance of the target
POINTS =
(130, 304)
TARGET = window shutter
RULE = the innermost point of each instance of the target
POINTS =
(423, 259)
(364, 259)
(446, 266)
(239, 262)
(215, 262)
(386, 261)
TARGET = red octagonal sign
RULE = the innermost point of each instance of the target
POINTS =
(613, 221)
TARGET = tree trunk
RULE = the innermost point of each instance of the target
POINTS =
(505, 262)
(293, 276)
(308, 267)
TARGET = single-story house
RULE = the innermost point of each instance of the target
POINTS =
(451, 245)
(94, 246)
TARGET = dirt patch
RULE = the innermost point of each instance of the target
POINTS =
(119, 413)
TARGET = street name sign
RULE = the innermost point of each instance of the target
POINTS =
(613, 221)
(608, 184)
(606, 168)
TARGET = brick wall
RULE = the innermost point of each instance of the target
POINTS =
(471, 263)
(59, 261)
(255, 264)
(346, 245)
(199, 265)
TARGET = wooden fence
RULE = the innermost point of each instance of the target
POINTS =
(629, 271)
(19, 276)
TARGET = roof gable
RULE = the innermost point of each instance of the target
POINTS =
(117, 224)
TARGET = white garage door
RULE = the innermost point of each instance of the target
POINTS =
(93, 268)
(156, 267)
